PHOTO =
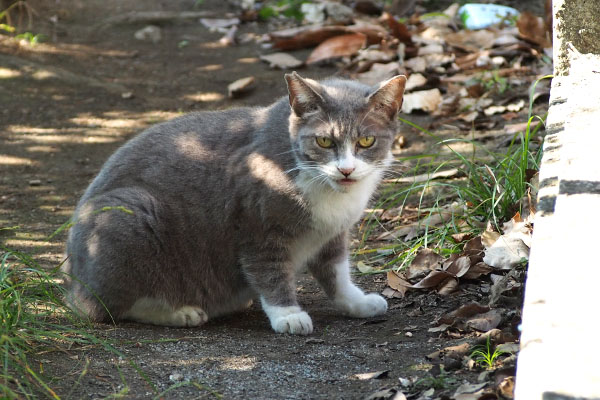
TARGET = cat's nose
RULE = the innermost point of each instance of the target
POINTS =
(346, 171)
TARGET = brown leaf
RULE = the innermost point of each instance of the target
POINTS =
(471, 41)
(485, 322)
(338, 46)
(398, 29)
(304, 36)
(433, 279)
(397, 283)
(533, 29)
(506, 388)
(468, 310)
(447, 287)
(477, 270)
(426, 260)
(488, 238)
(460, 266)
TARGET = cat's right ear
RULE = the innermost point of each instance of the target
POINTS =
(387, 98)
(303, 95)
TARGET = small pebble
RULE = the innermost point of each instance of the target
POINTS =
(35, 182)
(175, 377)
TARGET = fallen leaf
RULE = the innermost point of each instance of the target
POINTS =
(447, 287)
(488, 238)
(425, 100)
(440, 328)
(219, 24)
(477, 270)
(468, 310)
(240, 86)
(469, 391)
(364, 268)
(379, 73)
(506, 388)
(460, 266)
(281, 60)
(533, 29)
(472, 41)
(304, 36)
(485, 322)
(449, 173)
(396, 282)
(387, 394)
(338, 46)
(433, 279)
(392, 293)
(457, 351)
(414, 81)
(426, 260)
(398, 29)
(372, 375)
(506, 252)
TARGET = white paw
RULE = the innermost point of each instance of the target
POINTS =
(189, 316)
(365, 306)
(297, 324)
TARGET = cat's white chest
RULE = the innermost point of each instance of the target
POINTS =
(332, 213)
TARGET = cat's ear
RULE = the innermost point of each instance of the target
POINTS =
(303, 94)
(387, 98)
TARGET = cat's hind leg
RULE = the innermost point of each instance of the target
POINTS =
(157, 312)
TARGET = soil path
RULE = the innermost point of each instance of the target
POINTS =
(66, 106)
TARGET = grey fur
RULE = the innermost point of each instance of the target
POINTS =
(202, 210)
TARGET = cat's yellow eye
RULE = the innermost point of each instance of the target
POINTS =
(366, 141)
(325, 142)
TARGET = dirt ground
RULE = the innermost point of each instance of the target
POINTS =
(67, 104)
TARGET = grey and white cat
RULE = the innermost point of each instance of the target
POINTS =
(198, 216)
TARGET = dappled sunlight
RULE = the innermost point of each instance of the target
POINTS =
(13, 160)
(210, 67)
(7, 73)
(204, 97)
(231, 363)
(42, 149)
(248, 60)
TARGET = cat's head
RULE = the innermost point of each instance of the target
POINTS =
(342, 131)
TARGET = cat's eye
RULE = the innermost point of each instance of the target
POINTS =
(366, 141)
(325, 142)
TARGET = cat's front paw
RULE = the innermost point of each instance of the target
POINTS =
(296, 324)
(365, 306)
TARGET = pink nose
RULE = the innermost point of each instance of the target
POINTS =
(346, 171)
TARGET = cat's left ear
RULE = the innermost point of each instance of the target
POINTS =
(387, 98)
(304, 95)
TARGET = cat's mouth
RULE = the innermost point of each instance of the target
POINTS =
(346, 181)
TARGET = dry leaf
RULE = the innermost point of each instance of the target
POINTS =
(240, 86)
(472, 41)
(425, 260)
(304, 36)
(506, 252)
(364, 268)
(425, 100)
(447, 287)
(396, 282)
(379, 73)
(398, 29)
(338, 46)
(460, 266)
(533, 28)
(281, 60)
(468, 310)
(372, 375)
(477, 270)
(433, 279)
(414, 81)
(488, 238)
(485, 322)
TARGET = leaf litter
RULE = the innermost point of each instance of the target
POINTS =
(471, 79)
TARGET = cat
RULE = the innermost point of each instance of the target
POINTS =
(196, 217)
